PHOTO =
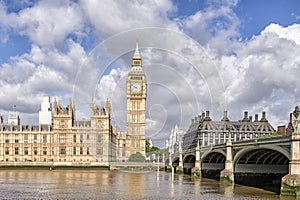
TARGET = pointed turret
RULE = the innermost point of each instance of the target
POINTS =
(137, 58)
(107, 106)
(55, 107)
(93, 107)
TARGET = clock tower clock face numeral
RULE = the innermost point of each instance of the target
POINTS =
(136, 87)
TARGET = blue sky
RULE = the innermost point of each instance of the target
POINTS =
(255, 15)
(45, 44)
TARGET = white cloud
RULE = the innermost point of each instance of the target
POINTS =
(41, 72)
(5, 22)
(47, 23)
(112, 17)
(291, 32)
(215, 27)
(264, 74)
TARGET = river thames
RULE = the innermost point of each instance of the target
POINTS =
(102, 184)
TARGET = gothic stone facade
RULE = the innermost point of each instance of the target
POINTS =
(66, 141)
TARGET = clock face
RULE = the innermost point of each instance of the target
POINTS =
(136, 87)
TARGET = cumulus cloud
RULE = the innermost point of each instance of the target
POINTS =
(112, 17)
(47, 23)
(40, 72)
(264, 73)
(215, 27)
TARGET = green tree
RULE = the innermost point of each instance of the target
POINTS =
(148, 148)
(136, 157)
(154, 149)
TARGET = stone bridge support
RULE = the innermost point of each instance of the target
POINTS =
(179, 168)
(290, 184)
(227, 175)
(169, 164)
(196, 171)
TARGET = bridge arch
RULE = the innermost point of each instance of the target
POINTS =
(188, 156)
(271, 147)
(212, 163)
(167, 162)
(262, 166)
(189, 159)
(188, 163)
(175, 161)
(209, 152)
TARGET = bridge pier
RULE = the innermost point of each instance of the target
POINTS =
(290, 184)
(196, 171)
(169, 166)
(227, 175)
(179, 168)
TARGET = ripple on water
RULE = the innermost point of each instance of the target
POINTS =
(102, 184)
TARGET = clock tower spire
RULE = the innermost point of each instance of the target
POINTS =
(136, 92)
(137, 58)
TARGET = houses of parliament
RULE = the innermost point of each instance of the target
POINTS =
(60, 138)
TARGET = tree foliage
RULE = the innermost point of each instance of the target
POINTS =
(136, 157)
(150, 149)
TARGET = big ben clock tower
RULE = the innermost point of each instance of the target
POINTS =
(136, 92)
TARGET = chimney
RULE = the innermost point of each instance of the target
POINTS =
(256, 118)
(263, 118)
(207, 118)
(245, 117)
(250, 118)
(225, 118)
(203, 115)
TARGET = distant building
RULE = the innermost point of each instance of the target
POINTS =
(174, 143)
(281, 130)
(45, 115)
(208, 132)
(14, 118)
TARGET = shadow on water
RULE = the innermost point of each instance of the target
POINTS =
(269, 182)
(211, 174)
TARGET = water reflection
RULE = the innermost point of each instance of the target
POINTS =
(98, 184)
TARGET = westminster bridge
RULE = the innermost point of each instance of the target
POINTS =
(259, 160)
(264, 162)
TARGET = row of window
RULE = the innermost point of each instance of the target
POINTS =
(62, 138)
(35, 139)
(62, 151)
(35, 151)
